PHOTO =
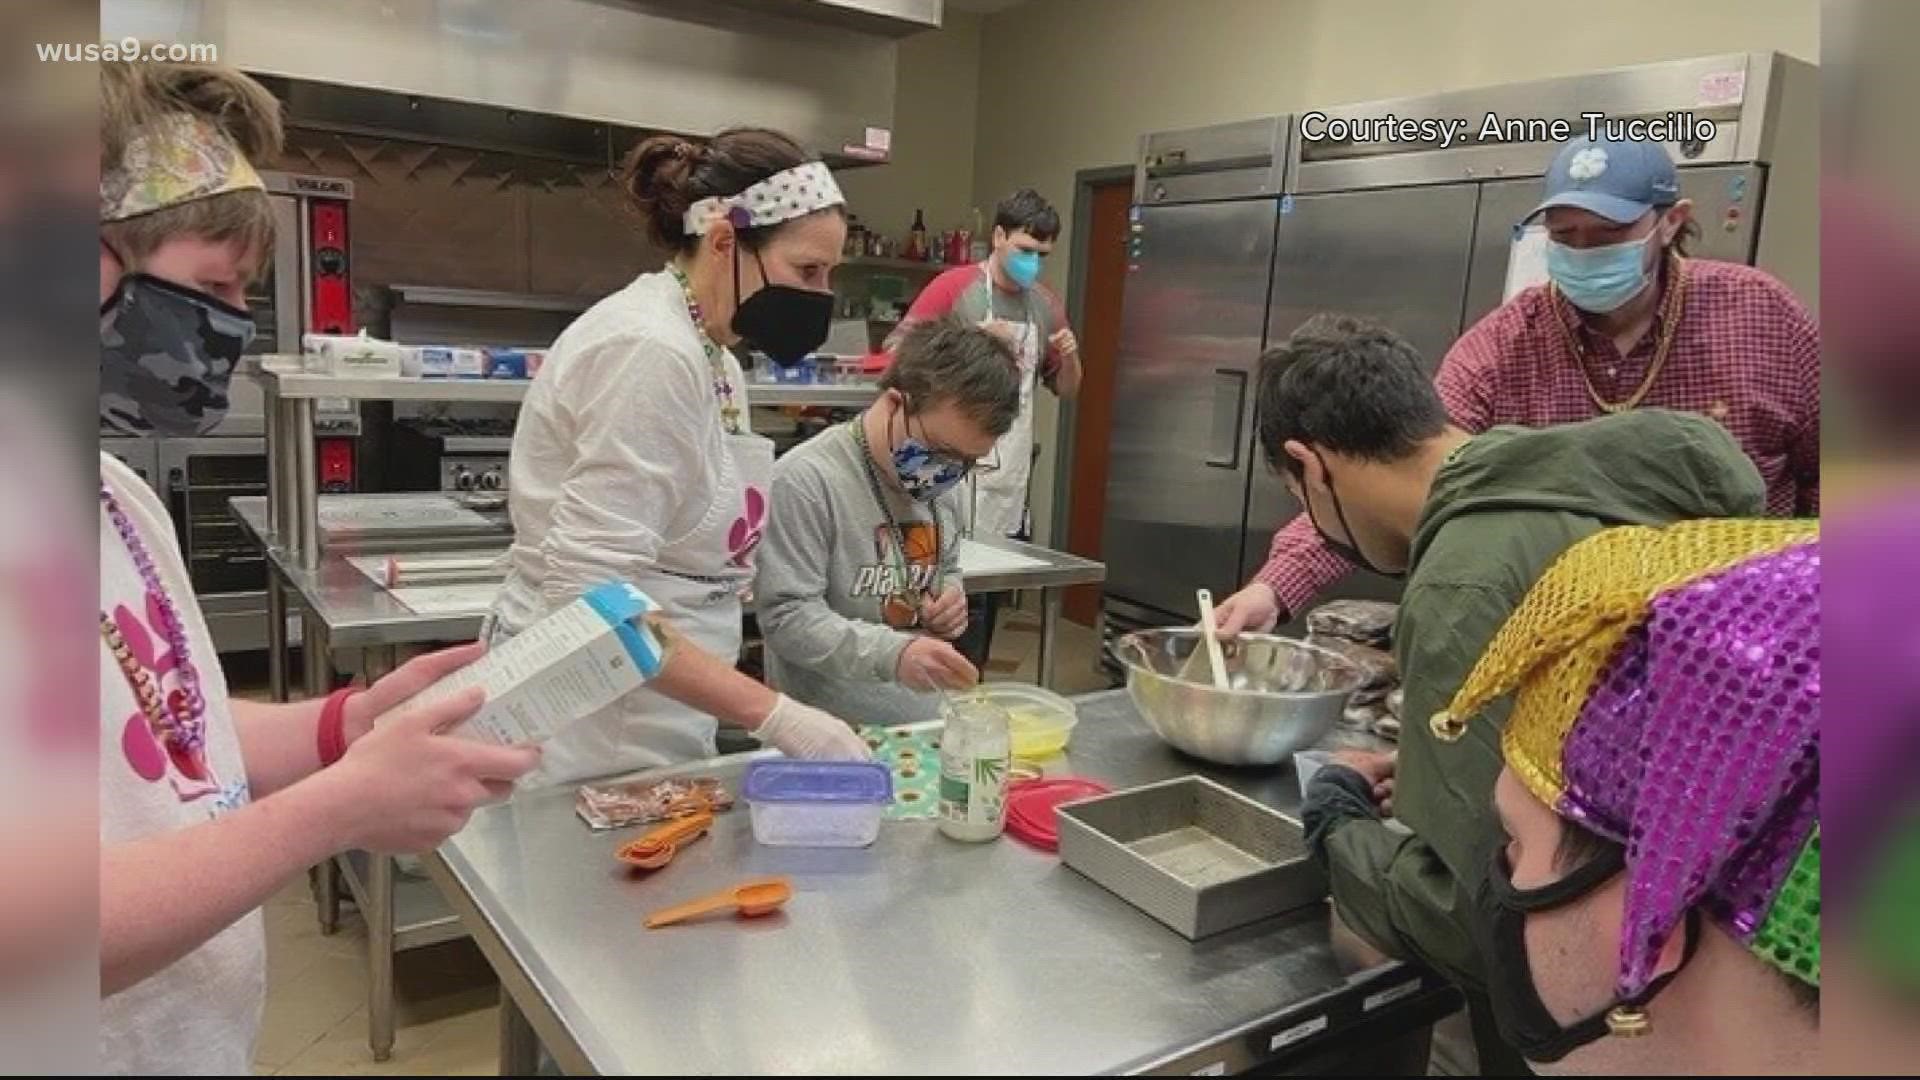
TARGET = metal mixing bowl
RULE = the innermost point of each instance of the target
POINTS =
(1285, 695)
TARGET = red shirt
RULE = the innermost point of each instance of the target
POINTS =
(1746, 353)
(944, 294)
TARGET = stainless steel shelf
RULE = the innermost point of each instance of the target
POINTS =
(888, 262)
(484, 298)
(282, 375)
(421, 914)
(824, 395)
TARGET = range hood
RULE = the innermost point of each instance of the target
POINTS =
(821, 70)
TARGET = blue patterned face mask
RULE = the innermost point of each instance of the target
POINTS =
(926, 473)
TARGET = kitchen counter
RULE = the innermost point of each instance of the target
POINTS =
(346, 613)
(358, 613)
(918, 955)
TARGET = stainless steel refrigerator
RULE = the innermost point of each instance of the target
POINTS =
(1242, 231)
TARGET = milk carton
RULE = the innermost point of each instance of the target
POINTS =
(570, 664)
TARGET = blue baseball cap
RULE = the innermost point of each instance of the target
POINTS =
(1618, 179)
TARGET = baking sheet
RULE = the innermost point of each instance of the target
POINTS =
(1197, 857)
(472, 599)
(386, 512)
(978, 558)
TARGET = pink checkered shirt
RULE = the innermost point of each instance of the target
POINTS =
(1746, 353)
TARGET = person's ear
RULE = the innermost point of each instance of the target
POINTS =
(1313, 471)
(112, 269)
(721, 239)
(1674, 952)
(1674, 220)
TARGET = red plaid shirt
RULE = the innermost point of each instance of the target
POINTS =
(1746, 353)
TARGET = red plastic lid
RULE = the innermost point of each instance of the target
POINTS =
(1031, 803)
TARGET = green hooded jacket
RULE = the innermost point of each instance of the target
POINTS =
(1502, 509)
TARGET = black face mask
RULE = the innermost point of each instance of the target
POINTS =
(783, 321)
(1500, 925)
(1341, 548)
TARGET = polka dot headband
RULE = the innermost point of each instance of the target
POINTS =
(1666, 691)
(785, 195)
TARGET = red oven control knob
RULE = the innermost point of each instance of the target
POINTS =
(336, 465)
(331, 284)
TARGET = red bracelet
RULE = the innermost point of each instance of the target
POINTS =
(333, 726)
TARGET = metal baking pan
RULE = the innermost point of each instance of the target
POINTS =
(1192, 854)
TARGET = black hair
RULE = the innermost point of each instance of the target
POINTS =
(1349, 385)
(1580, 846)
(948, 360)
(1025, 211)
(667, 174)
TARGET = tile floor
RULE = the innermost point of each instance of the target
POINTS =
(316, 1009)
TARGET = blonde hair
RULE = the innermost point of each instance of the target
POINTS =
(135, 92)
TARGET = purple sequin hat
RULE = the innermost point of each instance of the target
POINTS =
(1667, 696)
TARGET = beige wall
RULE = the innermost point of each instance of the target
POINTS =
(934, 122)
(1071, 84)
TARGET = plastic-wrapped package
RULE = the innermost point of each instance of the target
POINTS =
(1369, 622)
(1380, 674)
(637, 802)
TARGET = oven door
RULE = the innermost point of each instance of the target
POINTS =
(228, 570)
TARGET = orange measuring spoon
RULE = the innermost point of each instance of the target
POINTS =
(657, 847)
(752, 899)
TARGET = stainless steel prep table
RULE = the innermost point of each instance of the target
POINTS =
(918, 955)
(356, 613)
(345, 612)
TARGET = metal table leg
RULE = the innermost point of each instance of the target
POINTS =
(278, 647)
(380, 873)
(379, 915)
(1049, 628)
(306, 483)
(519, 1046)
(316, 678)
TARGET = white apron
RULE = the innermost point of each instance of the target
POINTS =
(647, 729)
(1000, 493)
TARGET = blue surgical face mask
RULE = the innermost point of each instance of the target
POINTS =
(1599, 279)
(1022, 266)
(926, 473)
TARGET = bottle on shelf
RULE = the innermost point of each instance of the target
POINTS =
(982, 245)
(856, 237)
(917, 237)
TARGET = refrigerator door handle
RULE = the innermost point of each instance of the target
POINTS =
(1229, 401)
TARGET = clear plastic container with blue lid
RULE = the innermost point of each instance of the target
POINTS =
(817, 803)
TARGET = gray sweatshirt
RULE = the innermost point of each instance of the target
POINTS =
(826, 565)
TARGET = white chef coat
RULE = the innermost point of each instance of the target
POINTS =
(622, 469)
